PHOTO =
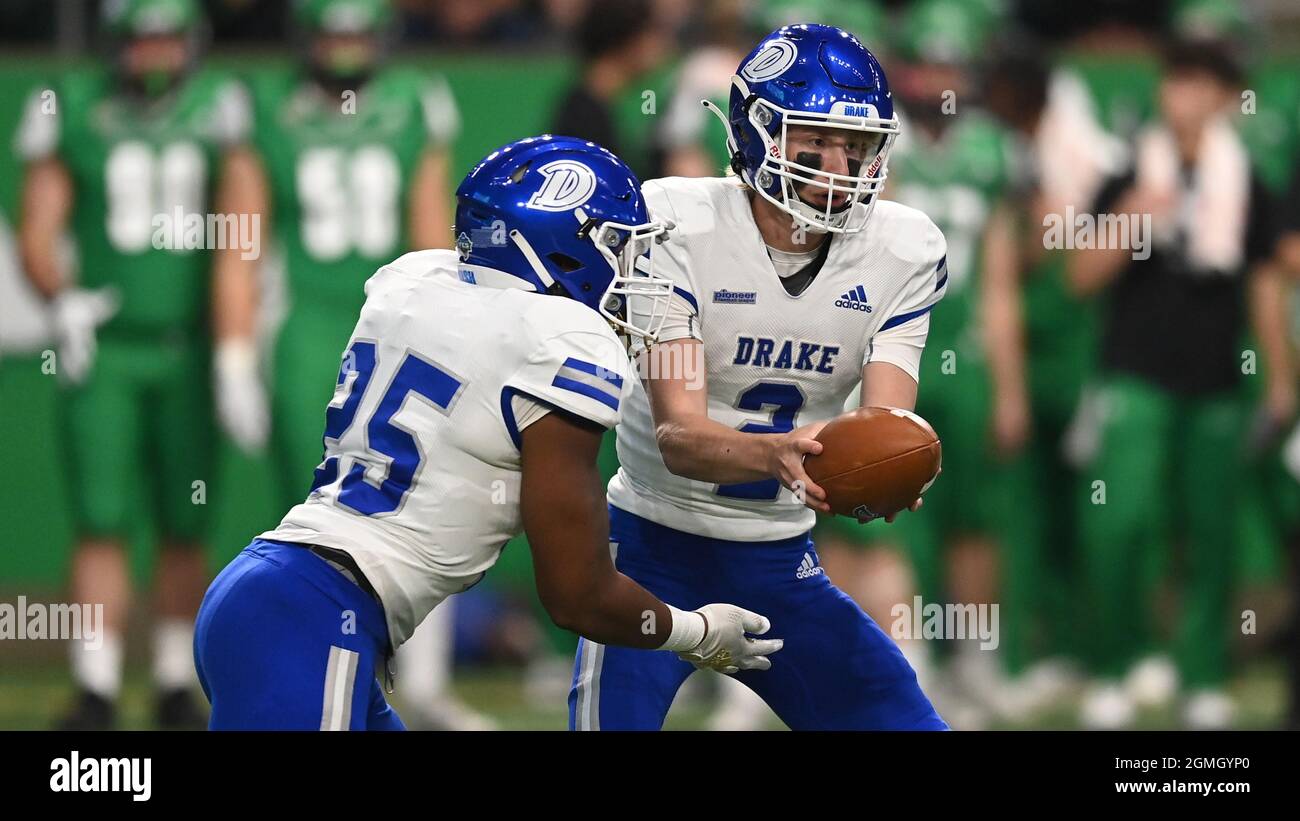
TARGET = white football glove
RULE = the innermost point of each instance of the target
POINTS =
(714, 637)
(240, 394)
(77, 314)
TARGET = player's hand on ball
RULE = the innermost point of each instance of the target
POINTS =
(915, 506)
(725, 647)
(785, 462)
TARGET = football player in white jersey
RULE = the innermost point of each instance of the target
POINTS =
(470, 405)
(794, 282)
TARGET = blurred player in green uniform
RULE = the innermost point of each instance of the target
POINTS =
(1038, 584)
(353, 171)
(123, 159)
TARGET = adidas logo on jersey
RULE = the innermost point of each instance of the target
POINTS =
(855, 299)
(807, 568)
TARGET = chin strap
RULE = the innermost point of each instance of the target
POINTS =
(533, 260)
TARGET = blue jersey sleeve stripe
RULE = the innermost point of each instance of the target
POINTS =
(894, 322)
(595, 370)
(508, 410)
(587, 390)
(688, 296)
(508, 414)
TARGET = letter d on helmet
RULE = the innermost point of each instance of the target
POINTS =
(564, 216)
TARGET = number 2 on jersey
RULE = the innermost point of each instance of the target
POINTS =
(385, 437)
(785, 400)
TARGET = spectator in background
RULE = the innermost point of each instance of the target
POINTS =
(1171, 362)
(617, 41)
(1053, 353)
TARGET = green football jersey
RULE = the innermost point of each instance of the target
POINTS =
(340, 171)
(143, 174)
(956, 180)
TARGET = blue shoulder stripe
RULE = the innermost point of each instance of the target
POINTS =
(588, 390)
(688, 296)
(895, 321)
(595, 370)
(590, 380)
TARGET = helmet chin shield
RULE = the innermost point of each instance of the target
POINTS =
(781, 179)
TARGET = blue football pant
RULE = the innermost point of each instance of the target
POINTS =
(837, 670)
(283, 641)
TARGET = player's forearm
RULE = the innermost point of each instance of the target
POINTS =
(234, 299)
(615, 611)
(1269, 321)
(699, 448)
(235, 287)
(46, 203)
(43, 272)
(430, 212)
(1001, 319)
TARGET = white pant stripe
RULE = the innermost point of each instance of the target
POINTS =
(340, 678)
(587, 709)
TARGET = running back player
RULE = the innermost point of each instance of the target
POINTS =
(466, 406)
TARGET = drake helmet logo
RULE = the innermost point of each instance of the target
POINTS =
(771, 62)
(568, 184)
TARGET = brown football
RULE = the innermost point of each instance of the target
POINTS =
(875, 461)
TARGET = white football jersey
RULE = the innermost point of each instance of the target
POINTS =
(421, 473)
(774, 361)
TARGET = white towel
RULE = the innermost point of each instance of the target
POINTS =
(1213, 213)
(1075, 153)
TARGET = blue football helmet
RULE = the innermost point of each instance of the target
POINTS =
(567, 217)
(822, 77)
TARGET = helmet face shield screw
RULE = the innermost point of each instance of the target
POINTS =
(764, 179)
(763, 115)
